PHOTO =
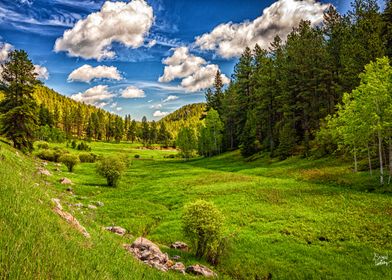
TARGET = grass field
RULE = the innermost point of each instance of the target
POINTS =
(296, 219)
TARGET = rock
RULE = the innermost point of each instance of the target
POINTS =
(99, 203)
(69, 189)
(117, 230)
(78, 205)
(202, 270)
(176, 258)
(43, 171)
(148, 252)
(69, 218)
(65, 181)
(180, 246)
(178, 266)
(92, 207)
(44, 163)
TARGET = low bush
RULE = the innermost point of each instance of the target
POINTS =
(83, 147)
(112, 169)
(87, 157)
(137, 156)
(202, 225)
(69, 161)
(42, 145)
(46, 155)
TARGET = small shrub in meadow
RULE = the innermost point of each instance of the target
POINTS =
(69, 161)
(137, 156)
(112, 169)
(83, 147)
(87, 157)
(202, 225)
(46, 155)
(42, 145)
(73, 144)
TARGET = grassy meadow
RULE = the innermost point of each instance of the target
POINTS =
(295, 219)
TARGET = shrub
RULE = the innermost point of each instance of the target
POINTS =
(73, 144)
(83, 147)
(69, 161)
(46, 155)
(202, 225)
(137, 156)
(87, 157)
(42, 145)
(111, 168)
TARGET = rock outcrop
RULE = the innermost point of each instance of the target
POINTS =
(68, 217)
(117, 230)
(43, 171)
(180, 246)
(201, 270)
(65, 181)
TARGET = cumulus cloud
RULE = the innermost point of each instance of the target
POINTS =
(119, 108)
(87, 73)
(170, 98)
(132, 92)
(42, 72)
(194, 71)
(159, 114)
(156, 106)
(229, 39)
(96, 96)
(92, 37)
(5, 49)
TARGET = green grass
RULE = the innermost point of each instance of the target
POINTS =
(295, 219)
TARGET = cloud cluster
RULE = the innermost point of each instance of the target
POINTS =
(5, 49)
(229, 39)
(92, 37)
(170, 98)
(159, 114)
(87, 73)
(96, 96)
(42, 72)
(132, 92)
(194, 71)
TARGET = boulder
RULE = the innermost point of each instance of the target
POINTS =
(92, 207)
(179, 267)
(43, 171)
(176, 258)
(69, 218)
(180, 246)
(117, 230)
(65, 181)
(202, 270)
(99, 203)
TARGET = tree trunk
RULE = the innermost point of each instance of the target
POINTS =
(355, 160)
(370, 161)
(390, 160)
(380, 158)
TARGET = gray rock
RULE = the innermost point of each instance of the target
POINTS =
(178, 266)
(180, 246)
(99, 203)
(43, 171)
(78, 205)
(92, 207)
(65, 181)
(176, 258)
(117, 230)
(202, 270)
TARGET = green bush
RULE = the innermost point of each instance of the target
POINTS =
(69, 161)
(87, 157)
(83, 147)
(42, 145)
(111, 168)
(202, 225)
(46, 155)
(73, 144)
(137, 156)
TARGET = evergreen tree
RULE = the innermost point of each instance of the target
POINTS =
(132, 131)
(19, 108)
(153, 132)
(145, 131)
(163, 135)
(186, 142)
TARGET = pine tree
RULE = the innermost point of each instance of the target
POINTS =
(145, 131)
(19, 109)
(132, 131)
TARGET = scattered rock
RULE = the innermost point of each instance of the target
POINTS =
(78, 205)
(202, 270)
(43, 171)
(65, 181)
(178, 266)
(69, 218)
(99, 203)
(117, 230)
(176, 258)
(149, 253)
(180, 246)
(92, 207)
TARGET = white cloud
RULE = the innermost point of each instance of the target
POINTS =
(132, 92)
(194, 71)
(87, 73)
(119, 108)
(156, 106)
(42, 72)
(170, 98)
(230, 39)
(113, 105)
(92, 37)
(5, 49)
(180, 65)
(160, 114)
(96, 96)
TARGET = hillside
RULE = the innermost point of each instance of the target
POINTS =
(188, 115)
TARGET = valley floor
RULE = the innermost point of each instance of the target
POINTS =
(296, 219)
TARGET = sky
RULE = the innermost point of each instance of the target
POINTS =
(144, 58)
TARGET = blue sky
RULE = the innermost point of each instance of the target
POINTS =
(143, 57)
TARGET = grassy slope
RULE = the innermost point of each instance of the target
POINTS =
(36, 244)
(278, 214)
(294, 219)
